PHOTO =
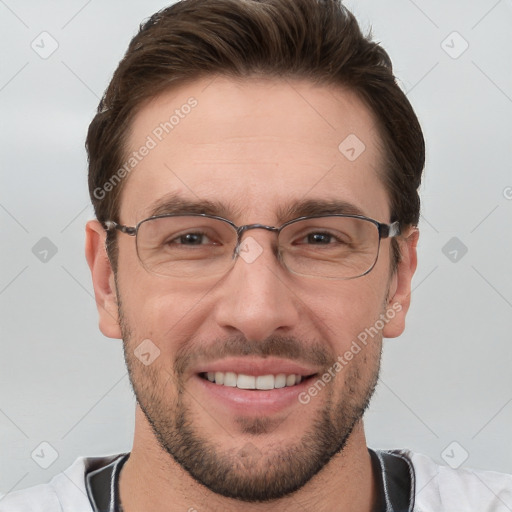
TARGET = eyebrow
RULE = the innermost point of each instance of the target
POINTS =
(312, 207)
(175, 204)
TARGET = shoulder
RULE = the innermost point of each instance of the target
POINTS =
(440, 488)
(64, 493)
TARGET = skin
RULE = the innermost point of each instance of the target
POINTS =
(252, 145)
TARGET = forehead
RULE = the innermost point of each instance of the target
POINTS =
(255, 148)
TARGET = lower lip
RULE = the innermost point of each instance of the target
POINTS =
(253, 402)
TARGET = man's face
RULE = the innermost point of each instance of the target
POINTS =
(255, 148)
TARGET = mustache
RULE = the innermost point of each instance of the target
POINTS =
(288, 347)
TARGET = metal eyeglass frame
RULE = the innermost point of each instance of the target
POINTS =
(385, 230)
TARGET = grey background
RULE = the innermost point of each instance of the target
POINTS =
(447, 379)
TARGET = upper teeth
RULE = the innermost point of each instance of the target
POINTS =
(243, 381)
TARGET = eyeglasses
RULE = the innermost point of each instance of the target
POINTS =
(199, 245)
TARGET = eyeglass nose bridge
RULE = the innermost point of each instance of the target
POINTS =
(242, 229)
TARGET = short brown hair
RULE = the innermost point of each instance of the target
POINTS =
(317, 40)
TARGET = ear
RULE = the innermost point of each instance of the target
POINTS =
(102, 279)
(399, 298)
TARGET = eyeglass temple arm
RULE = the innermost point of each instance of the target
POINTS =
(389, 230)
(110, 225)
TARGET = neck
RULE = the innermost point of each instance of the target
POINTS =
(152, 480)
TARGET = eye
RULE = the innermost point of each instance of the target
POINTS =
(191, 238)
(321, 238)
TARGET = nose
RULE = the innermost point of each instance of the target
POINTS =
(256, 297)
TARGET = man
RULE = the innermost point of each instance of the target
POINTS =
(254, 171)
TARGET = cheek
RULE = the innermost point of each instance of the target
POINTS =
(342, 311)
(161, 309)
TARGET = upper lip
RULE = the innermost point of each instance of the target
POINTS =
(257, 366)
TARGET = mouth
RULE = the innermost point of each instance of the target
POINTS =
(251, 386)
(254, 382)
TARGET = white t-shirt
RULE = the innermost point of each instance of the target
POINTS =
(433, 488)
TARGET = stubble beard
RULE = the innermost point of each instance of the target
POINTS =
(245, 472)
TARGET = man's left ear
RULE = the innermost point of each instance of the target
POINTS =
(400, 288)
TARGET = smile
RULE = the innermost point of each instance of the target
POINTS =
(259, 382)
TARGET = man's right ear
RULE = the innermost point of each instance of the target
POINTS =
(102, 279)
